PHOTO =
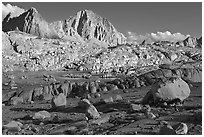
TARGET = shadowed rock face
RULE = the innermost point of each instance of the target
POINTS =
(199, 42)
(85, 25)
(30, 22)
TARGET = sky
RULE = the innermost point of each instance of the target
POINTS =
(138, 18)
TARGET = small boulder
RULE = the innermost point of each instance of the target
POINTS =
(108, 100)
(97, 95)
(104, 89)
(93, 89)
(137, 83)
(101, 120)
(16, 100)
(88, 96)
(112, 87)
(13, 126)
(37, 92)
(47, 97)
(92, 113)
(135, 107)
(115, 87)
(12, 83)
(59, 101)
(181, 129)
(118, 98)
(42, 115)
(6, 84)
(173, 56)
(14, 88)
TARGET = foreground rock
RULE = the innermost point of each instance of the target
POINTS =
(13, 126)
(59, 101)
(181, 129)
(101, 120)
(107, 99)
(90, 111)
(16, 100)
(172, 89)
(135, 107)
(42, 115)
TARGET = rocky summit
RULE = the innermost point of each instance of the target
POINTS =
(85, 25)
(80, 76)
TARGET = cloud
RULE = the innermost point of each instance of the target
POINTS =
(167, 36)
(158, 36)
(134, 37)
(14, 10)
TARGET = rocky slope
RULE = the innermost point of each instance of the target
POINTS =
(85, 41)
(29, 52)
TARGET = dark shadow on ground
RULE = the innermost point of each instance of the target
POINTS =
(186, 119)
(110, 107)
(63, 110)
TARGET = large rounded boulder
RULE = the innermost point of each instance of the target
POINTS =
(167, 90)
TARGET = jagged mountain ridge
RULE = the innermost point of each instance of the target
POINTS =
(85, 24)
(191, 42)
(30, 22)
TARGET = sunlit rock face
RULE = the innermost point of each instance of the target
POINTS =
(85, 25)
(190, 42)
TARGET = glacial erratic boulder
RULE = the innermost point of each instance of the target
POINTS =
(167, 90)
